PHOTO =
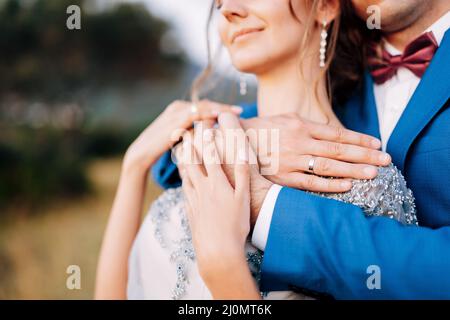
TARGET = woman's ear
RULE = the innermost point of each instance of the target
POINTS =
(328, 10)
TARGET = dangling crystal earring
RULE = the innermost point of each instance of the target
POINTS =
(323, 44)
(242, 85)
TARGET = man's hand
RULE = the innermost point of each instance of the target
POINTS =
(338, 153)
(259, 186)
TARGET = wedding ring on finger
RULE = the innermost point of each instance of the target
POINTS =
(311, 164)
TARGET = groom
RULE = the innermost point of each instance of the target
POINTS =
(326, 246)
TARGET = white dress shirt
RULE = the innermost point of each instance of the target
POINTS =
(391, 99)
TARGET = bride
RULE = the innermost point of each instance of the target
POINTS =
(193, 244)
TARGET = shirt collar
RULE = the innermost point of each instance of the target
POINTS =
(439, 28)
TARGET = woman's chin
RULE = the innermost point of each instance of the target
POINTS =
(251, 67)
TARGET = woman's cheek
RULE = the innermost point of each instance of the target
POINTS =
(223, 32)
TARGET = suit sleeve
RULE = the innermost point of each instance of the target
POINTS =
(165, 172)
(328, 246)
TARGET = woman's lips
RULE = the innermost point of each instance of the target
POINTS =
(244, 32)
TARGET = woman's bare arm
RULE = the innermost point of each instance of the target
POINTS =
(126, 212)
(121, 230)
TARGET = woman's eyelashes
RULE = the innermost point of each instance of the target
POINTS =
(218, 4)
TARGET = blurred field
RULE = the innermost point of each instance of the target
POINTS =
(67, 99)
(35, 251)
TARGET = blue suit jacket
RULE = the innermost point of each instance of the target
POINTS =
(327, 246)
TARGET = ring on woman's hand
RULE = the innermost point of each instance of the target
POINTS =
(311, 163)
(194, 109)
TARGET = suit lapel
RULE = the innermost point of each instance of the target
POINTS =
(430, 96)
(370, 108)
(360, 112)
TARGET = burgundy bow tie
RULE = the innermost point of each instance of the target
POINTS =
(417, 58)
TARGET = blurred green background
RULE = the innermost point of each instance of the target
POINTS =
(71, 101)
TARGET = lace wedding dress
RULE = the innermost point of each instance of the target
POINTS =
(162, 261)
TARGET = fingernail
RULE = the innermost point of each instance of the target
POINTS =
(370, 172)
(237, 109)
(346, 184)
(385, 158)
(376, 143)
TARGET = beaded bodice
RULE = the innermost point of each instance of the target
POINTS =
(386, 195)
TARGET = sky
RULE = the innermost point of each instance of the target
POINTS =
(188, 18)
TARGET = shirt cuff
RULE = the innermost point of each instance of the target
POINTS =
(262, 226)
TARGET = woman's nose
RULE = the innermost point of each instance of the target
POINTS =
(232, 9)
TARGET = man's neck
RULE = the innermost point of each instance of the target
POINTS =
(400, 39)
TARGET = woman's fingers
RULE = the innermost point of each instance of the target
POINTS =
(211, 158)
(242, 152)
(229, 121)
(233, 132)
(192, 164)
(185, 179)
(242, 175)
(207, 110)
(205, 147)
(181, 115)
(215, 108)
(188, 190)
(182, 153)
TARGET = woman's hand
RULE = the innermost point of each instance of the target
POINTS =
(167, 129)
(125, 217)
(219, 217)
